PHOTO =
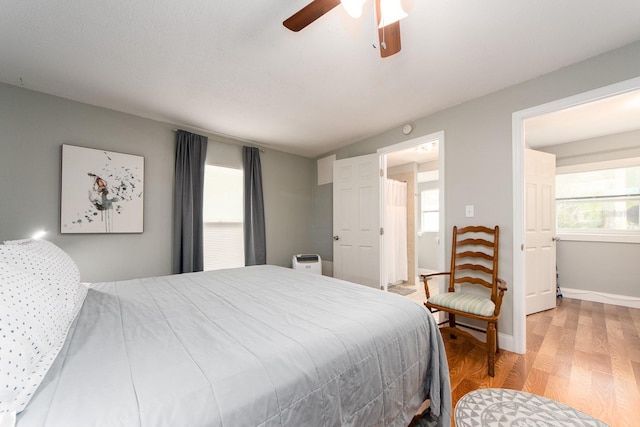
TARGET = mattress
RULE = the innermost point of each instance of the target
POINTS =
(255, 346)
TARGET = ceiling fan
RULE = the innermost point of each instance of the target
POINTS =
(388, 15)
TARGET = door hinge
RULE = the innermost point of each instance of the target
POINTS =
(381, 172)
(381, 231)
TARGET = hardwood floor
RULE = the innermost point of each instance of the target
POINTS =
(583, 354)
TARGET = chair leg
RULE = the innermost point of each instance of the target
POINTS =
(497, 339)
(452, 323)
(491, 348)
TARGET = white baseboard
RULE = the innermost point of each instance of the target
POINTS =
(505, 341)
(593, 296)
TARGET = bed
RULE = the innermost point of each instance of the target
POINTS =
(254, 346)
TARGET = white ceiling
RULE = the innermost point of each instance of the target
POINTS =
(615, 114)
(231, 68)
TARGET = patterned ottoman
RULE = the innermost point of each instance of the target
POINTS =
(498, 407)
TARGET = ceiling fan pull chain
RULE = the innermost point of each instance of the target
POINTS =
(383, 45)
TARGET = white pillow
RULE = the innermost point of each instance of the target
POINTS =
(33, 329)
(47, 262)
(40, 295)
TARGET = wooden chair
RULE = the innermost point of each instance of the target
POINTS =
(474, 261)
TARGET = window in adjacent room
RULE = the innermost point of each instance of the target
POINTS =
(430, 211)
(223, 218)
(599, 201)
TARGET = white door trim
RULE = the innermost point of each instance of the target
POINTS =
(437, 136)
(518, 145)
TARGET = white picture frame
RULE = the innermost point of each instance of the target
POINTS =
(101, 191)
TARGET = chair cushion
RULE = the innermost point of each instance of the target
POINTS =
(469, 303)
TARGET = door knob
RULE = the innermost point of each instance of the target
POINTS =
(555, 239)
(336, 237)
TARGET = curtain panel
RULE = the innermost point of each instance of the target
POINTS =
(395, 231)
(191, 153)
(255, 247)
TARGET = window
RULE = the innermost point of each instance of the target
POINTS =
(599, 202)
(223, 218)
(429, 208)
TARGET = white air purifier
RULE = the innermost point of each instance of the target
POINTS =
(307, 262)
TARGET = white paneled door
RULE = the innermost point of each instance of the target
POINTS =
(540, 228)
(356, 220)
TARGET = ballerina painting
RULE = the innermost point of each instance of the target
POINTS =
(102, 191)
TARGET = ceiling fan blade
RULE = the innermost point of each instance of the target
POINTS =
(309, 13)
(388, 36)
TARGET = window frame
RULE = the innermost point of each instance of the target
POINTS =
(230, 222)
(437, 212)
(614, 236)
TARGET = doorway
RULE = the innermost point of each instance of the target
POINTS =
(419, 163)
(519, 145)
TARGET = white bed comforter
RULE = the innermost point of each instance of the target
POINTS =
(256, 346)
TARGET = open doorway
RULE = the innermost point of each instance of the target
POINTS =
(519, 122)
(417, 165)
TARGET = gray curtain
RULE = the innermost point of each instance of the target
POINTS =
(191, 153)
(255, 246)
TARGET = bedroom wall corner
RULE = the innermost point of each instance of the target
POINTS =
(286, 180)
(34, 127)
(322, 221)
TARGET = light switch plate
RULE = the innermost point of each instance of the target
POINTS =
(468, 211)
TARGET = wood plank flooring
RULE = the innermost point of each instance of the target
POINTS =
(583, 354)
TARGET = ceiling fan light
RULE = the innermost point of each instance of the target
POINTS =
(391, 11)
(353, 7)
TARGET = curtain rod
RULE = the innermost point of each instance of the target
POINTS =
(261, 149)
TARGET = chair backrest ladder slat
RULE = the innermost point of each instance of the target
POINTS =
(476, 242)
(475, 249)
(473, 280)
(474, 254)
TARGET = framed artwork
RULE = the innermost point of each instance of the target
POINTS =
(102, 191)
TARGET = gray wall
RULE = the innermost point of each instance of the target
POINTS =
(35, 125)
(611, 268)
(478, 151)
(607, 267)
(322, 220)
(287, 180)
